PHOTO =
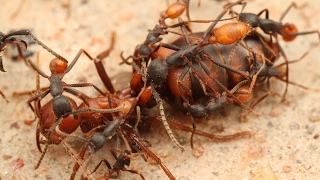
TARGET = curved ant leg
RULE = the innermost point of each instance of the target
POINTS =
(187, 102)
(1, 65)
(152, 155)
(293, 4)
(78, 159)
(106, 163)
(79, 94)
(225, 66)
(28, 32)
(100, 68)
(267, 13)
(37, 98)
(85, 85)
(217, 138)
(4, 97)
(163, 117)
(37, 69)
(42, 155)
(77, 164)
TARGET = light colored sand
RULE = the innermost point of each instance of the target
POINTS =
(283, 137)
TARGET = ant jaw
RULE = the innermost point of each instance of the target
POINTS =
(1, 65)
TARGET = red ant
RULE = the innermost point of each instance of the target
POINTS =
(158, 72)
(58, 118)
(235, 32)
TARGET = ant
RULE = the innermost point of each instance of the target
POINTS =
(111, 126)
(58, 118)
(288, 31)
(237, 31)
(119, 165)
(175, 68)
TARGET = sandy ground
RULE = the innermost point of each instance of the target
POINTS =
(284, 143)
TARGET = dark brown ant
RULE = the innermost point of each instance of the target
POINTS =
(119, 165)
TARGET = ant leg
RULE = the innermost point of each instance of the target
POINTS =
(287, 68)
(227, 67)
(42, 155)
(95, 110)
(79, 94)
(152, 155)
(4, 97)
(27, 32)
(38, 132)
(266, 11)
(163, 117)
(217, 138)
(106, 163)
(21, 53)
(37, 98)
(1, 65)
(293, 4)
(100, 68)
(37, 69)
(77, 165)
(135, 127)
(86, 85)
(78, 159)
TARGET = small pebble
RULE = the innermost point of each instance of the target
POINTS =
(286, 169)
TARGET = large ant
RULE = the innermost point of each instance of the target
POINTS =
(175, 67)
(237, 31)
(58, 118)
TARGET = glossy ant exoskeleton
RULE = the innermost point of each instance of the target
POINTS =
(174, 68)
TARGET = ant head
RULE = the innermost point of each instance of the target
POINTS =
(58, 66)
(288, 29)
(9, 39)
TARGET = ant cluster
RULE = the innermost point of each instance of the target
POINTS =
(197, 73)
